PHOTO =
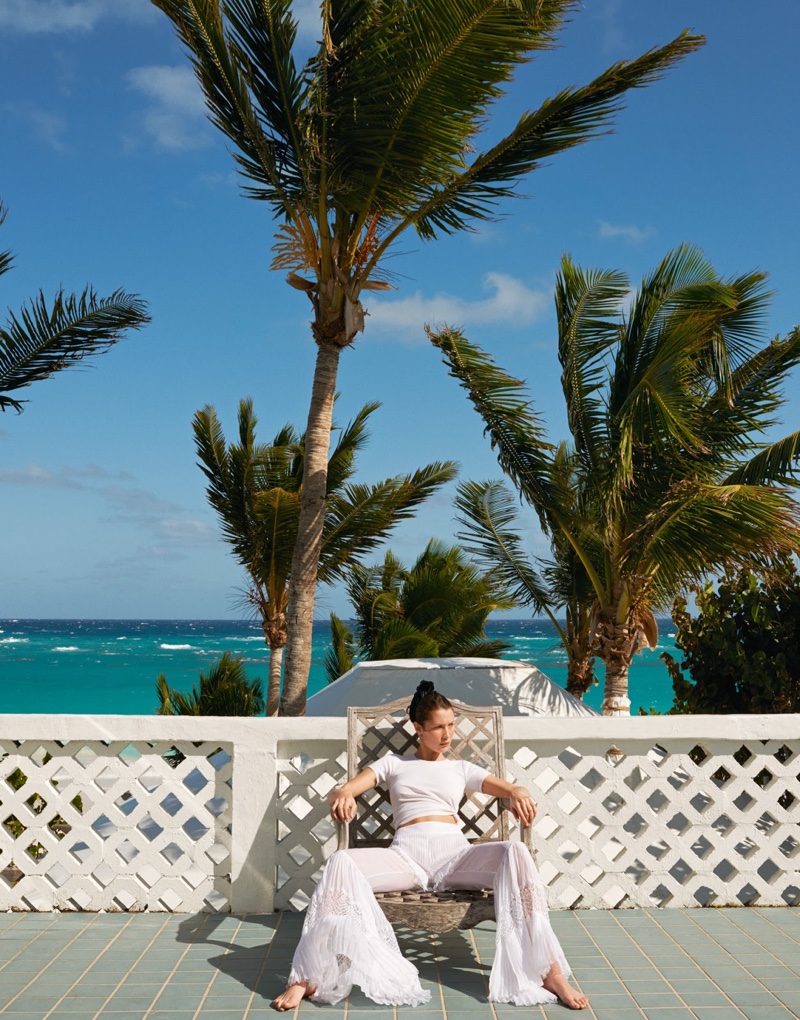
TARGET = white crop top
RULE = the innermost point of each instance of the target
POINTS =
(418, 788)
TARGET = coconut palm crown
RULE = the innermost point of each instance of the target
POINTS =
(370, 136)
(437, 607)
(669, 474)
(256, 488)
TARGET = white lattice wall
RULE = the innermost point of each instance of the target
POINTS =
(687, 811)
(676, 822)
(125, 825)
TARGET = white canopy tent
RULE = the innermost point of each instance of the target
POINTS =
(521, 689)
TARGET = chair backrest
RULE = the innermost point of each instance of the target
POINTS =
(384, 729)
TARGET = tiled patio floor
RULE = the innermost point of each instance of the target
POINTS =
(633, 964)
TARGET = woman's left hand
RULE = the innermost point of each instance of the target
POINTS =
(522, 805)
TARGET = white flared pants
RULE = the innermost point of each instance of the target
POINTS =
(347, 940)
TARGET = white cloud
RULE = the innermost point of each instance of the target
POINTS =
(95, 471)
(40, 16)
(160, 518)
(631, 234)
(509, 300)
(176, 117)
(44, 125)
(37, 476)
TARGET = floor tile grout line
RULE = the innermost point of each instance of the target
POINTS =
(476, 950)
(59, 953)
(776, 927)
(737, 962)
(438, 976)
(260, 972)
(22, 950)
(608, 962)
(214, 976)
(591, 1012)
(739, 928)
(86, 971)
(691, 1009)
(171, 974)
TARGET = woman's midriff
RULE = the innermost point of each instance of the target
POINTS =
(431, 818)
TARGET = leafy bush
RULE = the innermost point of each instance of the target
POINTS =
(742, 650)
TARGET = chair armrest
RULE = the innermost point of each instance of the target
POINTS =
(342, 835)
(526, 835)
(525, 831)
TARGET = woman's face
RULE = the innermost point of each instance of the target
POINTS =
(436, 733)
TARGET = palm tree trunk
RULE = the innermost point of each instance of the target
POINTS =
(580, 675)
(616, 646)
(274, 683)
(305, 561)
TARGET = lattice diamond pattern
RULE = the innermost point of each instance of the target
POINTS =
(306, 834)
(112, 825)
(675, 823)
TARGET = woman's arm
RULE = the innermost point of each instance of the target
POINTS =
(521, 803)
(342, 799)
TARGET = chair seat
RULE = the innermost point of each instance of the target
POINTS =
(438, 911)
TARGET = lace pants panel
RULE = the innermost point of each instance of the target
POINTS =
(347, 940)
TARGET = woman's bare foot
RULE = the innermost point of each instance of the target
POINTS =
(293, 996)
(556, 983)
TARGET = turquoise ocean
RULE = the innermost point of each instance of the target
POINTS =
(100, 667)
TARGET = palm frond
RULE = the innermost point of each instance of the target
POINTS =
(223, 59)
(703, 529)
(359, 517)
(6, 257)
(568, 119)
(340, 657)
(352, 439)
(588, 314)
(489, 512)
(42, 340)
(412, 81)
(514, 429)
(776, 464)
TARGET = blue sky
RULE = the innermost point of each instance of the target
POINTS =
(113, 177)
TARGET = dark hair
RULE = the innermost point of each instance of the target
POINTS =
(425, 701)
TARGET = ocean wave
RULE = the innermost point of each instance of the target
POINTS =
(66, 648)
(13, 641)
(176, 648)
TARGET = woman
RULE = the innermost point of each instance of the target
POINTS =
(347, 940)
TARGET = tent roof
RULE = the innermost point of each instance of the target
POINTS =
(519, 687)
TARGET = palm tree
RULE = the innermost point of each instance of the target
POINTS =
(438, 607)
(373, 135)
(224, 690)
(44, 338)
(667, 405)
(256, 490)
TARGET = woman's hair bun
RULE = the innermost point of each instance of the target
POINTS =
(424, 688)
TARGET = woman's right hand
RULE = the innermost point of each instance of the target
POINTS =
(342, 805)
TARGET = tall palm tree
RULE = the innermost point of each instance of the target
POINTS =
(44, 338)
(668, 405)
(372, 135)
(256, 491)
(438, 607)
